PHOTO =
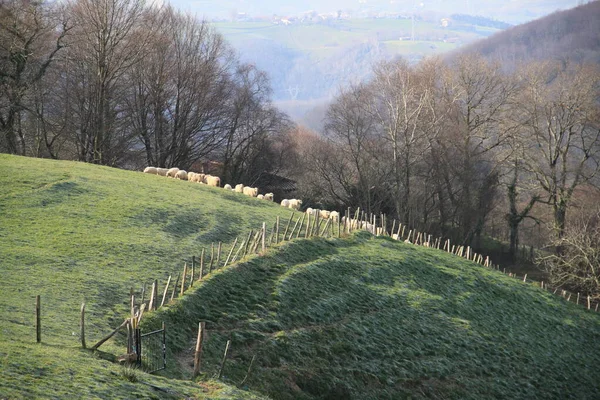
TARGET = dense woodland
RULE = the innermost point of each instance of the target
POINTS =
(464, 147)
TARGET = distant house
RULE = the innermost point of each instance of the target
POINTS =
(445, 22)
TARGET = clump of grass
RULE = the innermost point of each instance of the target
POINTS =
(129, 373)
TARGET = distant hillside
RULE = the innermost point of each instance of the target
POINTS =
(572, 34)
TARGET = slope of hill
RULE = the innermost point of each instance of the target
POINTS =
(357, 317)
(74, 232)
(373, 318)
(572, 34)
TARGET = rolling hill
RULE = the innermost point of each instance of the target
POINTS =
(351, 317)
(564, 35)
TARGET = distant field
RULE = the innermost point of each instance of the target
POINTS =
(309, 38)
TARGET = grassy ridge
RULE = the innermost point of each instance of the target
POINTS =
(72, 233)
(370, 318)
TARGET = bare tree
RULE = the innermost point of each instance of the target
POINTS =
(578, 265)
(480, 94)
(561, 126)
(108, 40)
(31, 36)
(177, 94)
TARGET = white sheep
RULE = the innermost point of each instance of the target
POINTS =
(285, 203)
(324, 214)
(191, 176)
(295, 204)
(172, 172)
(311, 211)
(150, 170)
(162, 171)
(269, 196)
(250, 191)
(239, 188)
(182, 175)
(334, 215)
(212, 180)
(260, 196)
(227, 186)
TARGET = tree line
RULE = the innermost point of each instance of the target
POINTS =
(443, 145)
(125, 83)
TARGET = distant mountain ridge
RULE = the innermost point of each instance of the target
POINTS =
(564, 35)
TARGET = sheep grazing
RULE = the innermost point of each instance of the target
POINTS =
(334, 215)
(150, 170)
(285, 203)
(191, 176)
(182, 175)
(162, 171)
(311, 211)
(269, 196)
(239, 188)
(250, 191)
(324, 214)
(172, 172)
(227, 186)
(260, 196)
(212, 180)
(200, 178)
(295, 204)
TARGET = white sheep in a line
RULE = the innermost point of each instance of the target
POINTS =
(250, 191)
(239, 188)
(150, 170)
(182, 175)
(211, 180)
(227, 187)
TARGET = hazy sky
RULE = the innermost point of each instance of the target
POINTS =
(513, 11)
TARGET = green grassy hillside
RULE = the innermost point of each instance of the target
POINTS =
(72, 233)
(373, 318)
(358, 317)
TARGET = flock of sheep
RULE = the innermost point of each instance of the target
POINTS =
(211, 180)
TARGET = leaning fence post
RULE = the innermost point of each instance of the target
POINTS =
(82, 323)
(212, 256)
(201, 264)
(264, 233)
(230, 252)
(174, 287)
(162, 303)
(183, 279)
(198, 353)
(589, 302)
(277, 230)
(152, 304)
(287, 226)
(224, 359)
(38, 322)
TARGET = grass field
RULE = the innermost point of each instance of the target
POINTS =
(360, 317)
(72, 233)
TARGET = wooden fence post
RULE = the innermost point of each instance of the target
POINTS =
(264, 233)
(299, 228)
(38, 319)
(230, 252)
(183, 279)
(589, 302)
(152, 304)
(201, 265)
(525, 278)
(247, 244)
(577, 298)
(174, 288)
(287, 226)
(224, 359)
(277, 230)
(193, 271)
(307, 226)
(212, 257)
(82, 324)
(218, 255)
(198, 353)
(162, 303)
